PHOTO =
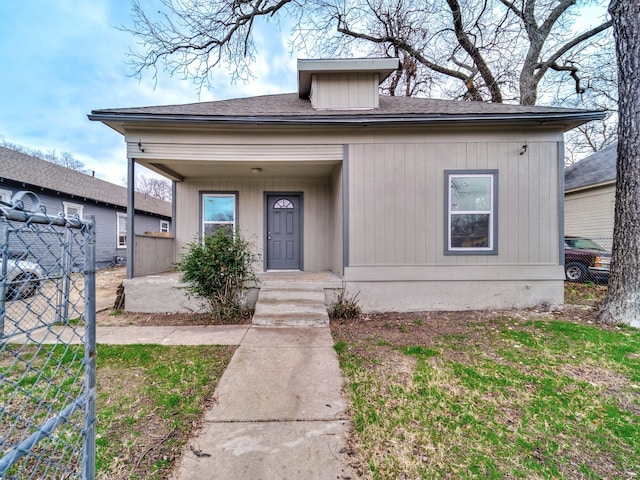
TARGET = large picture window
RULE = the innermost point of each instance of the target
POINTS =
(471, 212)
(219, 210)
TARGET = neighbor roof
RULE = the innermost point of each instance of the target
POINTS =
(595, 169)
(289, 109)
(33, 171)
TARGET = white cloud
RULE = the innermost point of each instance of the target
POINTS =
(64, 58)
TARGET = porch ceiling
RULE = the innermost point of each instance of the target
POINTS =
(186, 169)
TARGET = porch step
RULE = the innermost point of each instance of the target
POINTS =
(287, 305)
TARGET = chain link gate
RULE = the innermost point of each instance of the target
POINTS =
(48, 343)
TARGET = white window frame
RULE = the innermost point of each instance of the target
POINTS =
(165, 226)
(204, 196)
(5, 195)
(78, 206)
(120, 215)
(492, 212)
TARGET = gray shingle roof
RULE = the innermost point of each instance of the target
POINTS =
(597, 168)
(30, 170)
(289, 104)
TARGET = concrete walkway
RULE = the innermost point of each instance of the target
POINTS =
(279, 412)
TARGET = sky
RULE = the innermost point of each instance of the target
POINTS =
(60, 59)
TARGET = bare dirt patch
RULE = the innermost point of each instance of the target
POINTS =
(423, 328)
(112, 318)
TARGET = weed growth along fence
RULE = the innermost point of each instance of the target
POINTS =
(47, 343)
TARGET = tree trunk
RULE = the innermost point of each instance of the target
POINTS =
(622, 303)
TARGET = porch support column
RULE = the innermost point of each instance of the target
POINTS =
(345, 207)
(174, 189)
(131, 209)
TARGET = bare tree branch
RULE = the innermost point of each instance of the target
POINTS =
(494, 50)
(474, 52)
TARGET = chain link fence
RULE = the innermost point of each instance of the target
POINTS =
(47, 350)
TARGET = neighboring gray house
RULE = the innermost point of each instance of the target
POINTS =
(589, 195)
(418, 204)
(70, 192)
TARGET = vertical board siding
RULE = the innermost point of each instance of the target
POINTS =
(344, 91)
(317, 219)
(397, 206)
(335, 245)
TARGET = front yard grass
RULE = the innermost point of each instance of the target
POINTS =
(526, 395)
(150, 400)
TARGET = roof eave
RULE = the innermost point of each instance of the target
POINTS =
(117, 120)
(590, 186)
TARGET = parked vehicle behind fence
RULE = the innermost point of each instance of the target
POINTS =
(22, 280)
(585, 260)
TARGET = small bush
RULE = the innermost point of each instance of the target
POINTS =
(217, 269)
(345, 306)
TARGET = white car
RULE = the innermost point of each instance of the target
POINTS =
(22, 280)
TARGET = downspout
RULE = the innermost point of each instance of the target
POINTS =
(131, 209)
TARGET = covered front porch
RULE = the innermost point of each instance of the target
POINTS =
(245, 192)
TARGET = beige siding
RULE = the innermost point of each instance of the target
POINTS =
(397, 202)
(317, 228)
(153, 255)
(396, 188)
(589, 213)
(234, 152)
(336, 222)
(344, 91)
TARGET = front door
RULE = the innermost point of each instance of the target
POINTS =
(283, 231)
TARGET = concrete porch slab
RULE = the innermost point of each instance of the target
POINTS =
(268, 451)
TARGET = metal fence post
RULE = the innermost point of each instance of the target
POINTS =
(4, 249)
(89, 432)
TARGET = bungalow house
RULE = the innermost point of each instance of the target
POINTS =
(62, 190)
(589, 196)
(416, 203)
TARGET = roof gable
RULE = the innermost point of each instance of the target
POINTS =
(30, 170)
(595, 169)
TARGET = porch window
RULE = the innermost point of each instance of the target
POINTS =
(164, 226)
(219, 210)
(121, 226)
(471, 212)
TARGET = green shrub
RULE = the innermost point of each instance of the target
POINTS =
(217, 269)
